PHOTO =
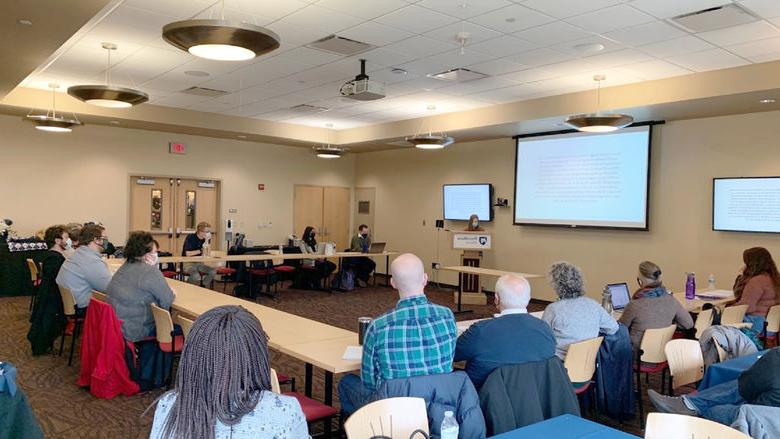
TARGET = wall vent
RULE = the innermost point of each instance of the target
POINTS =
(457, 75)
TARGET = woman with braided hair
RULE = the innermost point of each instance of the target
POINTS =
(223, 386)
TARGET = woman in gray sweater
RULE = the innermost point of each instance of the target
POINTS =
(137, 284)
(652, 306)
(574, 317)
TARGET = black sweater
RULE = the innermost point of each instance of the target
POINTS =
(761, 383)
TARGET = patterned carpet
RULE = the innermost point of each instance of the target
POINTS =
(66, 411)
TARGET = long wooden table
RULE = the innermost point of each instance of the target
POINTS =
(462, 269)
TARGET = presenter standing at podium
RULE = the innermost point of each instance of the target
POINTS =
(473, 225)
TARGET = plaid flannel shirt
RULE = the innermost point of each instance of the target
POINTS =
(416, 338)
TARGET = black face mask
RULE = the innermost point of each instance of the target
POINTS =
(364, 235)
(312, 235)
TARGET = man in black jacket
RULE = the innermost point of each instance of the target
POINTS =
(758, 385)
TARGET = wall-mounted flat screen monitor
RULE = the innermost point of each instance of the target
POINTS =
(746, 204)
(463, 200)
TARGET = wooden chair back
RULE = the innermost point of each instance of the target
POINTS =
(703, 321)
(686, 362)
(186, 325)
(653, 343)
(773, 319)
(669, 426)
(275, 261)
(275, 382)
(392, 417)
(68, 302)
(33, 267)
(163, 323)
(580, 362)
(733, 315)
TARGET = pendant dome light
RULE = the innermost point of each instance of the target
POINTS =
(599, 122)
(220, 40)
(52, 122)
(328, 151)
(108, 96)
(431, 139)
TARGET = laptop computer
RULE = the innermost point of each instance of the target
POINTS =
(620, 295)
(377, 247)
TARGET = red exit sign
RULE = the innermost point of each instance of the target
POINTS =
(177, 148)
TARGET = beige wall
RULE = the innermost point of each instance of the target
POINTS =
(686, 155)
(55, 178)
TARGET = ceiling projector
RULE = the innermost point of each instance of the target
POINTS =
(362, 88)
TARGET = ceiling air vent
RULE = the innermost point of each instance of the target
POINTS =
(457, 75)
(720, 17)
(307, 109)
(202, 91)
(340, 45)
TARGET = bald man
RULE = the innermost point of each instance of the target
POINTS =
(416, 338)
(512, 337)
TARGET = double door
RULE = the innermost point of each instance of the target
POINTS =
(327, 209)
(170, 208)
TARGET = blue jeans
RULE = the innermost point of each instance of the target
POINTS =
(718, 403)
(757, 321)
(353, 394)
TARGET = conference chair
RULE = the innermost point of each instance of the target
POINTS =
(703, 321)
(580, 364)
(651, 358)
(686, 363)
(166, 339)
(186, 325)
(74, 322)
(393, 417)
(669, 426)
(280, 267)
(35, 278)
(734, 316)
(313, 410)
(772, 325)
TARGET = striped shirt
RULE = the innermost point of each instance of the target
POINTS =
(416, 338)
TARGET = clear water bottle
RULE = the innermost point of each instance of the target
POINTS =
(449, 426)
(711, 282)
(606, 300)
(690, 287)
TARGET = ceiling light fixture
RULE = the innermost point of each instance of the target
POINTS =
(589, 47)
(431, 139)
(24, 22)
(52, 122)
(599, 122)
(328, 151)
(108, 96)
(767, 101)
(220, 40)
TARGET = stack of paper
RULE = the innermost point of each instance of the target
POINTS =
(715, 294)
(352, 353)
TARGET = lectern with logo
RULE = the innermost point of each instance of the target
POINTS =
(472, 244)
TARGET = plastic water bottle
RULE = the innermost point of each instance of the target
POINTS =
(449, 426)
(711, 282)
(690, 287)
(606, 300)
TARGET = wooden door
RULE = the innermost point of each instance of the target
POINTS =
(365, 206)
(196, 201)
(151, 208)
(307, 209)
(335, 216)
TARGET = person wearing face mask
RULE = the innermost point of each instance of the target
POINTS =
(74, 231)
(48, 319)
(652, 306)
(474, 224)
(137, 284)
(363, 266)
(85, 270)
(322, 268)
(198, 273)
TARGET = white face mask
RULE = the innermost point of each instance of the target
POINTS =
(208, 236)
(152, 258)
(475, 223)
(68, 244)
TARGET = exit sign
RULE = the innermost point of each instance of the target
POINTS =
(177, 148)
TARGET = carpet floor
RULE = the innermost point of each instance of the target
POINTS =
(65, 410)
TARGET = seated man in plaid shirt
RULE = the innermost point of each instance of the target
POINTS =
(416, 338)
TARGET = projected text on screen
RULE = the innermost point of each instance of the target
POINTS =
(746, 204)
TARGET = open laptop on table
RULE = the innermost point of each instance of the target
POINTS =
(377, 247)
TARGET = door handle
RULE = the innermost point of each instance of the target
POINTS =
(178, 232)
(170, 232)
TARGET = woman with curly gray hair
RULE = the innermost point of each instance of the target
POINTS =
(574, 317)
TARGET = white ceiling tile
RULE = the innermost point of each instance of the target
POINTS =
(618, 58)
(502, 46)
(148, 63)
(756, 48)
(307, 56)
(573, 48)
(539, 57)
(420, 46)
(553, 33)
(272, 9)
(712, 59)
(513, 18)
(655, 69)
(611, 18)
(391, 76)
(764, 8)
(362, 8)
(740, 34)
(425, 66)
(315, 17)
(375, 34)
(384, 57)
(463, 8)
(180, 10)
(259, 107)
(646, 33)
(130, 24)
(458, 58)
(568, 8)
(673, 8)
(774, 56)
(415, 19)
(496, 67)
(179, 100)
(291, 33)
(478, 85)
(529, 75)
(568, 68)
(476, 32)
(676, 47)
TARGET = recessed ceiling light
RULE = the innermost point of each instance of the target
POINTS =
(198, 73)
(589, 47)
(398, 71)
(767, 101)
(24, 22)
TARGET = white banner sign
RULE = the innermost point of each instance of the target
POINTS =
(471, 241)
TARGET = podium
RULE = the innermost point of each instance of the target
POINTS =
(472, 245)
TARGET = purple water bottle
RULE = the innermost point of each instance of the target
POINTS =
(690, 287)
